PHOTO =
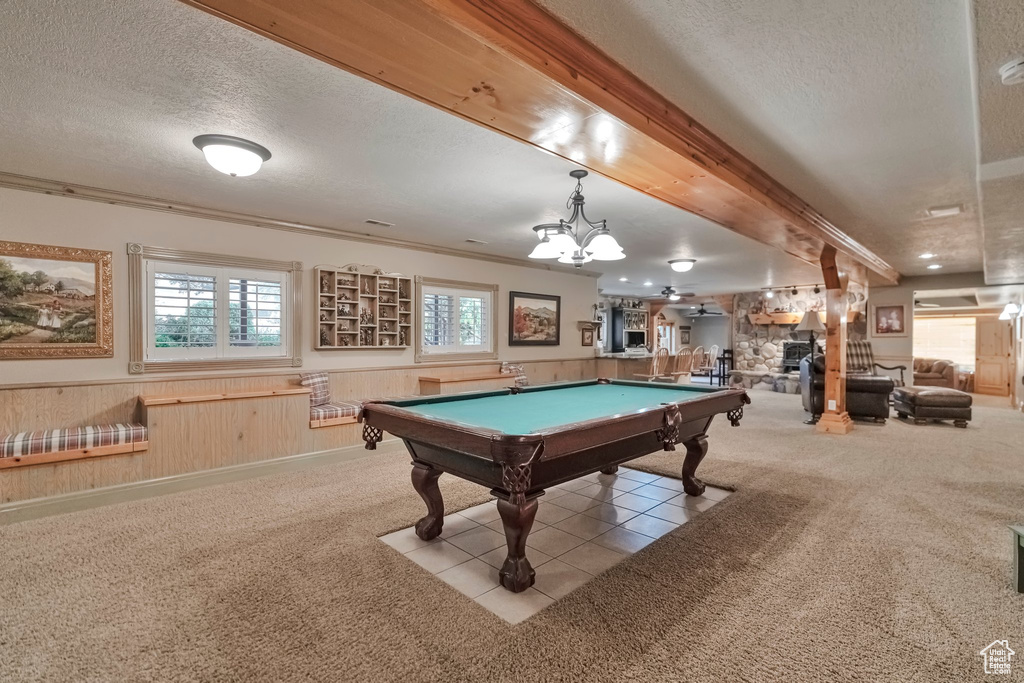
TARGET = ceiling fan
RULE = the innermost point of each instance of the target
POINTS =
(701, 312)
(670, 293)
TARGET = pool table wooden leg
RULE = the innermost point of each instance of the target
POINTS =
(424, 480)
(696, 449)
(516, 573)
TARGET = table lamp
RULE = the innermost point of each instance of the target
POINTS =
(811, 322)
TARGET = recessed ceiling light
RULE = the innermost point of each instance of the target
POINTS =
(945, 211)
(648, 283)
(231, 155)
(934, 266)
(623, 279)
(693, 307)
(927, 255)
(682, 265)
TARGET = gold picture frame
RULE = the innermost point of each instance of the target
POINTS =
(55, 302)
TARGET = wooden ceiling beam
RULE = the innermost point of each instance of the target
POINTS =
(511, 66)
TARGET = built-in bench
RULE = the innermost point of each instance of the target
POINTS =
(57, 445)
(432, 386)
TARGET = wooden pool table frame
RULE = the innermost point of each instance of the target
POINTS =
(517, 468)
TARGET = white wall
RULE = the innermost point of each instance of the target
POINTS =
(900, 350)
(45, 219)
(710, 330)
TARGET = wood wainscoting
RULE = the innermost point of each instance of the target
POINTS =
(194, 436)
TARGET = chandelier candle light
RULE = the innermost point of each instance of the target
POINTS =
(563, 240)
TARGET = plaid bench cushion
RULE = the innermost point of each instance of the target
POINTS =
(319, 384)
(72, 439)
(335, 410)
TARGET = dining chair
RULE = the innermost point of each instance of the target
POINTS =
(684, 365)
(659, 365)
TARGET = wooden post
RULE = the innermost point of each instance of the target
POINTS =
(834, 419)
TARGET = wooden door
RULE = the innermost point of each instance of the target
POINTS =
(992, 364)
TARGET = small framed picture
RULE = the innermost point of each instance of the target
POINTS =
(684, 337)
(588, 336)
(889, 320)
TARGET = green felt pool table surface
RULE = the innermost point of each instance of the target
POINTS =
(533, 411)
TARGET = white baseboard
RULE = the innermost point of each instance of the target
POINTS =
(36, 508)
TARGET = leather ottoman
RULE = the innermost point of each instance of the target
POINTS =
(932, 403)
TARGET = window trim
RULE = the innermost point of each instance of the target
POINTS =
(423, 282)
(138, 293)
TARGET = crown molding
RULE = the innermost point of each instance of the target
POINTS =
(62, 189)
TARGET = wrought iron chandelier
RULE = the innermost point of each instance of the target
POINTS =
(565, 240)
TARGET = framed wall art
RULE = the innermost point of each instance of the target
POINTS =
(588, 336)
(534, 319)
(888, 320)
(55, 302)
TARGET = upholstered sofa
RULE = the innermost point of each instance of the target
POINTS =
(867, 396)
(933, 372)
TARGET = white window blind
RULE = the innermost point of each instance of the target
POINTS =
(198, 312)
(946, 339)
(456, 320)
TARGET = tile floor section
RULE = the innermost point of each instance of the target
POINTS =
(582, 528)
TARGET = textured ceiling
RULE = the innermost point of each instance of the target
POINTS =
(864, 109)
(111, 94)
(999, 28)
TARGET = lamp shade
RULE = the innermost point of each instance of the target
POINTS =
(545, 249)
(563, 242)
(231, 155)
(605, 248)
(1009, 311)
(811, 322)
(682, 265)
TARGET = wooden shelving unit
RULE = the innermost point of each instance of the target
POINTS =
(360, 307)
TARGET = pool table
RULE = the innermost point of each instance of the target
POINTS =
(520, 441)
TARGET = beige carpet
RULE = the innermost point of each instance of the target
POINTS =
(879, 556)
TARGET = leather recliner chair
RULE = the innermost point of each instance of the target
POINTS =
(867, 396)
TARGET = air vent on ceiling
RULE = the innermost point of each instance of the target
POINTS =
(382, 224)
(473, 241)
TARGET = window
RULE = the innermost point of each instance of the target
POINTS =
(457, 319)
(946, 339)
(193, 311)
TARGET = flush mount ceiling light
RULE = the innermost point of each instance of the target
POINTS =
(623, 279)
(927, 255)
(1012, 73)
(934, 266)
(945, 211)
(648, 284)
(231, 155)
(682, 265)
(565, 240)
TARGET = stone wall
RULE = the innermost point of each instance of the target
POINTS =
(758, 348)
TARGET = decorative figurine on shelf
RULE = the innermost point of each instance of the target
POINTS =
(366, 287)
(325, 283)
(402, 341)
(385, 299)
(403, 293)
(325, 303)
(344, 310)
(385, 341)
(325, 316)
(366, 337)
(385, 326)
(344, 341)
(325, 337)
(365, 316)
(342, 296)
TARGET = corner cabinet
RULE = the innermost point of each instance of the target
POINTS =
(362, 307)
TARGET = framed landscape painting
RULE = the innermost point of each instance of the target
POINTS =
(534, 319)
(55, 302)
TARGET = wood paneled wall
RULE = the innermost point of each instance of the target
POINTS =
(193, 437)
